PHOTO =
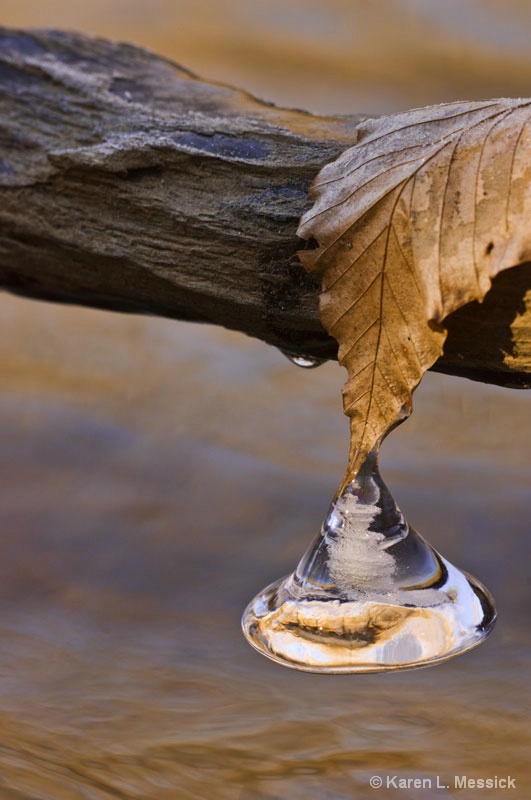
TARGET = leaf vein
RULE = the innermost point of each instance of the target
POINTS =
(358, 339)
(357, 300)
(405, 320)
(441, 215)
(386, 153)
(476, 191)
(389, 341)
(513, 158)
(380, 318)
(359, 188)
(355, 401)
(409, 266)
(440, 120)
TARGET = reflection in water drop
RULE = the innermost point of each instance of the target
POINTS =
(369, 595)
(304, 361)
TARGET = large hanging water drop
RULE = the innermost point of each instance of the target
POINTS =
(369, 595)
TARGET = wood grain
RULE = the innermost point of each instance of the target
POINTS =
(127, 183)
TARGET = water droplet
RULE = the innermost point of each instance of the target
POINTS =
(369, 594)
(304, 361)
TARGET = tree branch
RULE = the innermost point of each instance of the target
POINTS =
(127, 183)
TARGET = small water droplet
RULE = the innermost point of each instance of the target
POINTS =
(304, 361)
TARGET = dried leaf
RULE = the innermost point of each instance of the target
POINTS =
(412, 223)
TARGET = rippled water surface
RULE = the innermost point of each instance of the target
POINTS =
(154, 475)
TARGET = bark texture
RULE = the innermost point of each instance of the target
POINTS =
(129, 184)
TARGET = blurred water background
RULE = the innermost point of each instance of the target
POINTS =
(154, 475)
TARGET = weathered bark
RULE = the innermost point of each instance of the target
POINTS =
(126, 183)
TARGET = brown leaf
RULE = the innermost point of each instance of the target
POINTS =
(412, 223)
